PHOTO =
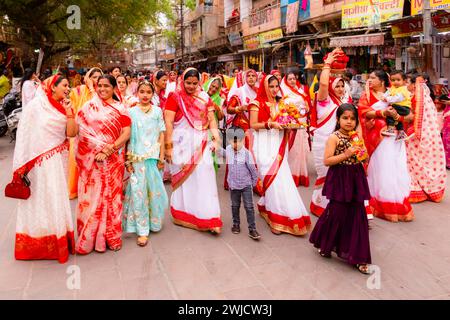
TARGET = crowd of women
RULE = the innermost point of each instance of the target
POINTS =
(124, 140)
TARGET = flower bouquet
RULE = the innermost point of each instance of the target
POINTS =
(289, 116)
(362, 154)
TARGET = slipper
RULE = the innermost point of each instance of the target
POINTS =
(324, 255)
(275, 231)
(142, 241)
(363, 268)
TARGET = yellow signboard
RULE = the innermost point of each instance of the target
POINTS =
(367, 13)
(417, 5)
(271, 35)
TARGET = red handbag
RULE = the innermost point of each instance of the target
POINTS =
(19, 188)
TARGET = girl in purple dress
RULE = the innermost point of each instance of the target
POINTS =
(343, 227)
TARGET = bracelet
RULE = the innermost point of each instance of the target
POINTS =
(326, 68)
(114, 146)
(266, 125)
(169, 145)
(70, 116)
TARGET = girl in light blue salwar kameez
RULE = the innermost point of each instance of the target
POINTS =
(146, 198)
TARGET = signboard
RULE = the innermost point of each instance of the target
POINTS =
(292, 17)
(417, 5)
(271, 35)
(235, 38)
(414, 26)
(251, 43)
(376, 39)
(259, 40)
(366, 13)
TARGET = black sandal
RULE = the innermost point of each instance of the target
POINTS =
(324, 255)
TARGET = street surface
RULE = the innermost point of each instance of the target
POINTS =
(179, 263)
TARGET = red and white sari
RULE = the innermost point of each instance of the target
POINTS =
(387, 173)
(44, 228)
(298, 139)
(281, 205)
(323, 123)
(194, 202)
(100, 186)
(425, 150)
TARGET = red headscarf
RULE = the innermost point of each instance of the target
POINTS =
(332, 83)
(194, 106)
(264, 99)
(47, 86)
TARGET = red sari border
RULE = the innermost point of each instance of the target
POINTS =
(44, 248)
(393, 212)
(190, 221)
(297, 227)
(420, 196)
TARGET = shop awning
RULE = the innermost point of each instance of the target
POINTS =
(375, 39)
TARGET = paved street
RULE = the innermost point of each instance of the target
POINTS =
(179, 263)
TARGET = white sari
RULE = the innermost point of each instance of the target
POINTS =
(44, 228)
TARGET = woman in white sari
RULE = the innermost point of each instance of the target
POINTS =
(298, 140)
(280, 205)
(44, 227)
(189, 115)
(330, 96)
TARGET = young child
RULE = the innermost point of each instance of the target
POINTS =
(146, 198)
(399, 97)
(343, 227)
(242, 177)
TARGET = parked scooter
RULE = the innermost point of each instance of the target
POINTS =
(11, 112)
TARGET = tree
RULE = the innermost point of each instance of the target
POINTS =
(43, 23)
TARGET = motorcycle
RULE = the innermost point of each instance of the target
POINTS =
(11, 110)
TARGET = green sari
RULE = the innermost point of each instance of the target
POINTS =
(217, 99)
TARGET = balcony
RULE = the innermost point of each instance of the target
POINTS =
(202, 10)
(262, 20)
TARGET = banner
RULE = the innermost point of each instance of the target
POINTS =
(271, 35)
(417, 5)
(251, 43)
(292, 17)
(367, 13)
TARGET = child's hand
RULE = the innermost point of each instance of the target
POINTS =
(160, 164)
(130, 168)
(351, 151)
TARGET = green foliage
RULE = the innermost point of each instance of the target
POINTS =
(103, 23)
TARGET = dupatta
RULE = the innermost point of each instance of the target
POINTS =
(100, 123)
(241, 90)
(194, 106)
(41, 131)
(335, 101)
(216, 98)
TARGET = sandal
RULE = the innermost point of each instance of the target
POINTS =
(363, 268)
(275, 231)
(142, 241)
(324, 254)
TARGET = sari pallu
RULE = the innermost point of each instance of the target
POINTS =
(425, 150)
(100, 186)
(281, 205)
(298, 140)
(44, 228)
(323, 123)
(387, 173)
(194, 202)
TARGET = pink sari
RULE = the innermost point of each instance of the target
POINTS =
(446, 134)
(100, 185)
(425, 150)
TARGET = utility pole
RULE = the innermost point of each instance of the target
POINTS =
(427, 40)
(182, 33)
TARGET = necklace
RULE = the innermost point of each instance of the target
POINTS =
(145, 110)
